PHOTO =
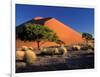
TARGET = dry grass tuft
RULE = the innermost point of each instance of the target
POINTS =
(30, 56)
(24, 48)
(76, 47)
(20, 55)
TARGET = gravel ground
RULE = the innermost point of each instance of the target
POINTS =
(74, 60)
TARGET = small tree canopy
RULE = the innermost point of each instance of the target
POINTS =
(87, 36)
(36, 32)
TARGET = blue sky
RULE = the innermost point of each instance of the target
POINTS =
(80, 19)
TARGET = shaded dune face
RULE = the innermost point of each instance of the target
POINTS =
(65, 33)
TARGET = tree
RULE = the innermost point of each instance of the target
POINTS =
(37, 33)
(87, 37)
(60, 42)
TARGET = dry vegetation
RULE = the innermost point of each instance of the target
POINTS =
(46, 56)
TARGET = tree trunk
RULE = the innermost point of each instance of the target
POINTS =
(38, 45)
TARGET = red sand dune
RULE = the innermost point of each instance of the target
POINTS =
(64, 32)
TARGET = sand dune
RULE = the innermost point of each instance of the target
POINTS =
(64, 32)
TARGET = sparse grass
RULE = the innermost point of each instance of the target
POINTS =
(54, 56)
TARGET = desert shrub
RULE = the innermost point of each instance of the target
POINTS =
(85, 47)
(56, 51)
(30, 48)
(76, 47)
(63, 51)
(20, 55)
(91, 47)
(20, 65)
(24, 48)
(43, 51)
(42, 48)
(47, 51)
(30, 56)
(50, 51)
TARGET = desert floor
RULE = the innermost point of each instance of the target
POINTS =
(71, 61)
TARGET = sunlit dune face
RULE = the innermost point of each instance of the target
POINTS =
(38, 18)
(65, 33)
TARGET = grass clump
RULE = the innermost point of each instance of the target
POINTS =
(54, 51)
(47, 51)
(30, 56)
(20, 55)
(24, 48)
(76, 47)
